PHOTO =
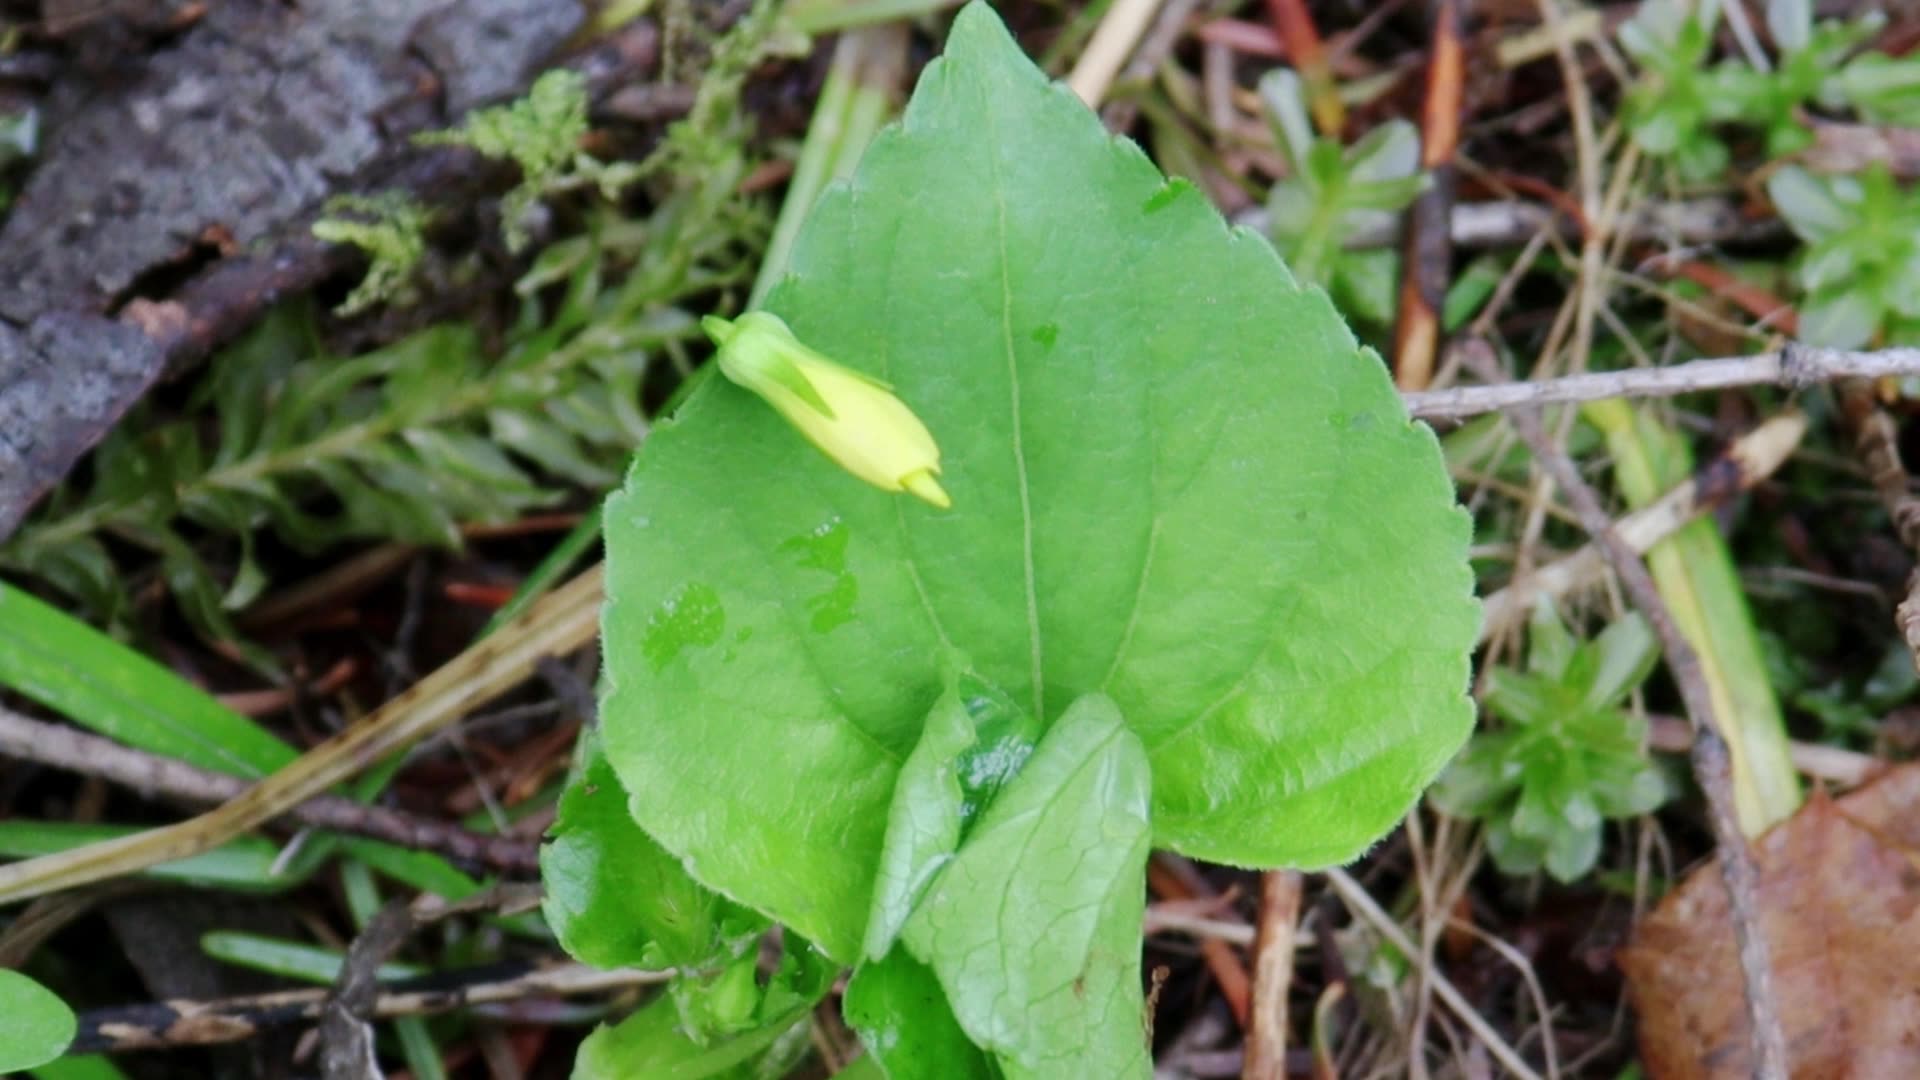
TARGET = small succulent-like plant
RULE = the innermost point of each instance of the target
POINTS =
(1335, 191)
(1567, 756)
(1673, 108)
(1863, 253)
(1670, 111)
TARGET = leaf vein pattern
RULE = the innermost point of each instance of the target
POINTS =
(1019, 450)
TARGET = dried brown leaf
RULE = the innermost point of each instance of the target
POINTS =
(1839, 902)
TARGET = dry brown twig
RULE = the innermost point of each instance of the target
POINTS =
(1794, 366)
(67, 748)
(1272, 975)
(164, 1024)
(1113, 41)
(346, 1036)
(1710, 763)
(1171, 876)
(1367, 910)
(1877, 441)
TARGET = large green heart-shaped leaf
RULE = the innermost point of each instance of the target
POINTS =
(1176, 479)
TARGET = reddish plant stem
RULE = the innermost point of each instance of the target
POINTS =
(1301, 39)
(1427, 253)
(1173, 878)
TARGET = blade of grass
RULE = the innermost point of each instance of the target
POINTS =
(558, 623)
(245, 863)
(68, 666)
(1695, 574)
(858, 97)
(105, 686)
(288, 959)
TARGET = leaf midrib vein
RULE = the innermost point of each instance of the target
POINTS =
(1019, 450)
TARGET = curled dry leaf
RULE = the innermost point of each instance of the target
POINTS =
(1839, 900)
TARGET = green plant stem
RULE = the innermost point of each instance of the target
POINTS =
(827, 16)
(1695, 576)
(857, 98)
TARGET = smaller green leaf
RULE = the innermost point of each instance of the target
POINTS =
(1842, 319)
(1626, 653)
(1790, 22)
(549, 446)
(1885, 89)
(1478, 781)
(1523, 699)
(1391, 151)
(35, 1025)
(614, 896)
(1659, 132)
(289, 959)
(1572, 850)
(1366, 284)
(650, 1044)
(1033, 928)
(901, 1013)
(1513, 852)
(1810, 207)
(1285, 98)
(1469, 291)
(923, 822)
(1550, 646)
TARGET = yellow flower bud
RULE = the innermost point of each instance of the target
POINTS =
(852, 417)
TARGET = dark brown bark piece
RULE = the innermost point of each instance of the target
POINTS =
(220, 145)
(261, 112)
(64, 382)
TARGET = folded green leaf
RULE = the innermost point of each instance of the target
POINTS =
(1033, 929)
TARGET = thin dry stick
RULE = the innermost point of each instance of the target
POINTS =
(195, 1023)
(1113, 41)
(1877, 441)
(1510, 223)
(1301, 39)
(1833, 764)
(1795, 367)
(76, 751)
(1173, 877)
(1151, 52)
(1167, 917)
(1361, 904)
(1272, 974)
(557, 624)
(346, 1036)
(1768, 1044)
